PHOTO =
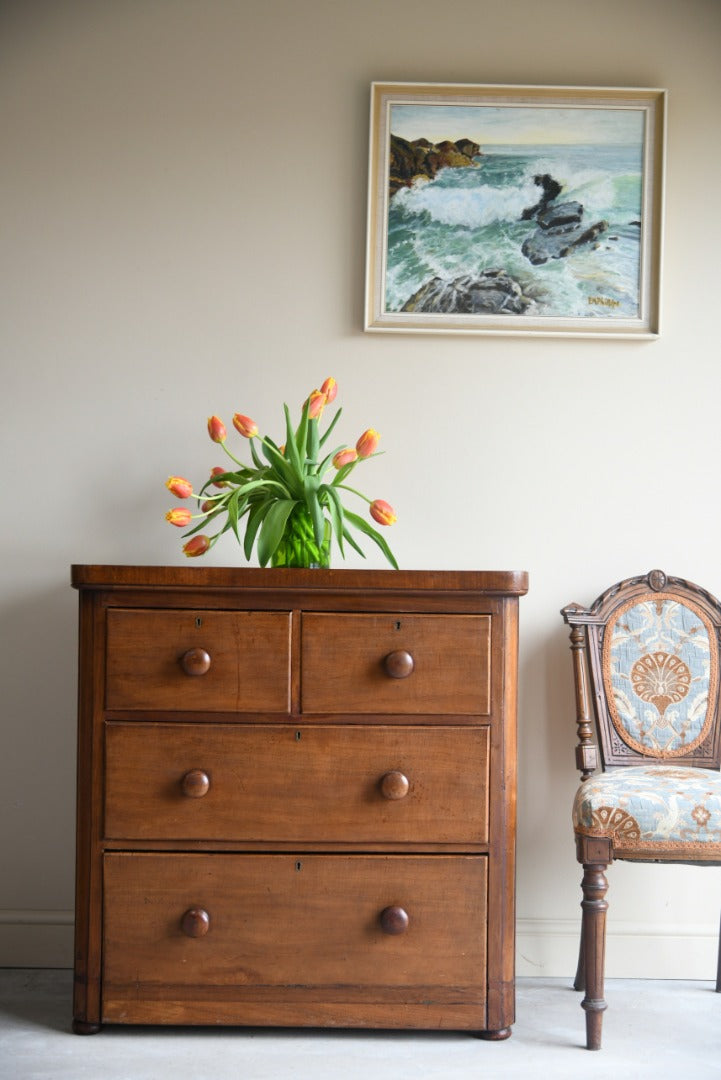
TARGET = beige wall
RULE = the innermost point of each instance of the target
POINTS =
(183, 203)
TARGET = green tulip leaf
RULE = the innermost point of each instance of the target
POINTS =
(353, 542)
(330, 427)
(335, 509)
(291, 447)
(301, 436)
(361, 524)
(313, 442)
(273, 527)
(255, 519)
(315, 510)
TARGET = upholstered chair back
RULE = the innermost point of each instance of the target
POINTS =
(653, 657)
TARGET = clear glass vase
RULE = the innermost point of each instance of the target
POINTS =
(298, 546)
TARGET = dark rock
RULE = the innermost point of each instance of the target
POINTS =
(410, 161)
(560, 214)
(557, 243)
(491, 292)
(468, 147)
(551, 189)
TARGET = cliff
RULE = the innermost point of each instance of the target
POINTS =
(410, 161)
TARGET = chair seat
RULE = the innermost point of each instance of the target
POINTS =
(653, 811)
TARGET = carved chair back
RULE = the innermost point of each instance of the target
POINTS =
(646, 653)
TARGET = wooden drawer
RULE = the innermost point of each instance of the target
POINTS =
(430, 664)
(304, 933)
(155, 660)
(296, 784)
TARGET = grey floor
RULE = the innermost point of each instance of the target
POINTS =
(652, 1029)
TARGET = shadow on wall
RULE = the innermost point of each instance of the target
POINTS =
(38, 672)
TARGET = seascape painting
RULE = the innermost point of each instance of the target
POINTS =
(531, 213)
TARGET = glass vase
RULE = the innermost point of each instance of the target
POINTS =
(298, 546)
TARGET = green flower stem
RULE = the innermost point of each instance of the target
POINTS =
(233, 457)
(344, 487)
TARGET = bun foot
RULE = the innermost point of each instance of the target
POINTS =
(493, 1036)
(84, 1027)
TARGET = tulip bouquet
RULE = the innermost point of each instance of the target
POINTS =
(289, 505)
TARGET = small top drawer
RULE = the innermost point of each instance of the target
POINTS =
(214, 661)
(422, 664)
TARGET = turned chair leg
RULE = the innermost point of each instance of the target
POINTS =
(579, 983)
(593, 943)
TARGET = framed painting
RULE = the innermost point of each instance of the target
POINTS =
(515, 209)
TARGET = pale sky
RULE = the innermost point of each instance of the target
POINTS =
(509, 124)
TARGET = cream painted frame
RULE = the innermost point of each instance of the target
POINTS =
(652, 104)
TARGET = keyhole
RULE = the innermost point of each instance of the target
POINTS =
(299, 865)
(398, 625)
(297, 736)
(198, 622)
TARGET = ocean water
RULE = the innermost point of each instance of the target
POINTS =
(468, 220)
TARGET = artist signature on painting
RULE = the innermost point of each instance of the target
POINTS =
(604, 301)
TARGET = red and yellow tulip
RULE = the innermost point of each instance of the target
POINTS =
(330, 389)
(180, 516)
(382, 512)
(197, 546)
(316, 404)
(368, 443)
(245, 426)
(180, 487)
(216, 429)
(345, 457)
(218, 471)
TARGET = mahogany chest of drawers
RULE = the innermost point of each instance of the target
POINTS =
(296, 798)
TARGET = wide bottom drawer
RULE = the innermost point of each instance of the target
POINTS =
(347, 940)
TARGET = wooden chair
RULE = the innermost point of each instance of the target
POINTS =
(646, 653)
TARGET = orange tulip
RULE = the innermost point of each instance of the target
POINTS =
(345, 457)
(218, 471)
(245, 426)
(382, 512)
(181, 488)
(216, 429)
(208, 506)
(368, 443)
(197, 546)
(179, 516)
(316, 404)
(330, 389)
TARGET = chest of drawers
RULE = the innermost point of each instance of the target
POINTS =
(296, 798)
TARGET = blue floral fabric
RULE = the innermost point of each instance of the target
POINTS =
(653, 810)
(660, 675)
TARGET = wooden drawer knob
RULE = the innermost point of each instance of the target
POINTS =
(195, 662)
(398, 665)
(195, 922)
(394, 920)
(195, 784)
(394, 785)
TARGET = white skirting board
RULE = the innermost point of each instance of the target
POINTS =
(36, 939)
(549, 948)
(545, 948)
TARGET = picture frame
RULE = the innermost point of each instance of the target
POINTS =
(515, 210)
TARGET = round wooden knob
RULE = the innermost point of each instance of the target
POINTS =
(394, 785)
(399, 665)
(195, 922)
(195, 784)
(394, 920)
(195, 662)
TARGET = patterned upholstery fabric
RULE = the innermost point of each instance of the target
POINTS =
(660, 674)
(654, 811)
